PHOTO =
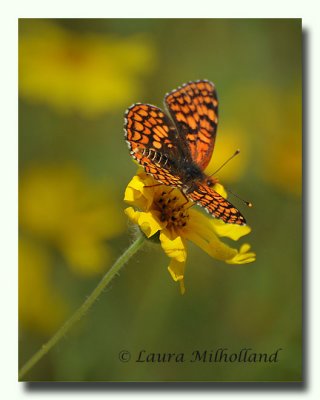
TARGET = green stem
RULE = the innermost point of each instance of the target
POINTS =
(84, 307)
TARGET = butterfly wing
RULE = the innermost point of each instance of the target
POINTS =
(216, 205)
(153, 142)
(194, 109)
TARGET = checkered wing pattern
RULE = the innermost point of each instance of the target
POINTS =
(216, 205)
(194, 109)
(153, 142)
(167, 150)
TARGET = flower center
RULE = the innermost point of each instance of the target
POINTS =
(172, 210)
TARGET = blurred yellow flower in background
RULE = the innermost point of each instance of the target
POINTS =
(275, 120)
(41, 307)
(163, 210)
(84, 72)
(60, 205)
(284, 168)
(283, 158)
(229, 139)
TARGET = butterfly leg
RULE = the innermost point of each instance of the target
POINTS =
(186, 199)
(159, 184)
(151, 186)
(170, 191)
(192, 205)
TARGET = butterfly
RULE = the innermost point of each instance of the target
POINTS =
(176, 149)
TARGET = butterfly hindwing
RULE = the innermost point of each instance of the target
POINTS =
(216, 205)
(153, 142)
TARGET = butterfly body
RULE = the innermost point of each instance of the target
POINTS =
(191, 175)
(176, 150)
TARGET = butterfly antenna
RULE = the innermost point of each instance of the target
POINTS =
(226, 162)
(247, 203)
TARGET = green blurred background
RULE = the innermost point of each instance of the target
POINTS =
(76, 79)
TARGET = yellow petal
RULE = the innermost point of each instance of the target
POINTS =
(232, 231)
(150, 186)
(135, 185)
(141, 190)
(199, 231)
(134, 194)
(176, 270)
(132, 214)
(147, 221)
(174, 246)
(243, 256)
(202, 222)
(220, 189)
(214, 247)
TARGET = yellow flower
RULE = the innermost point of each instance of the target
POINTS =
(83, 72)
(61, 206)
(162, 210)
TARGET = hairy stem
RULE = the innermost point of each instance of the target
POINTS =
(79, 313)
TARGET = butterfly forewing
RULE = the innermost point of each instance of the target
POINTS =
(194, 109)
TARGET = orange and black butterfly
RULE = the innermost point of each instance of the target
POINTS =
(176, 150)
